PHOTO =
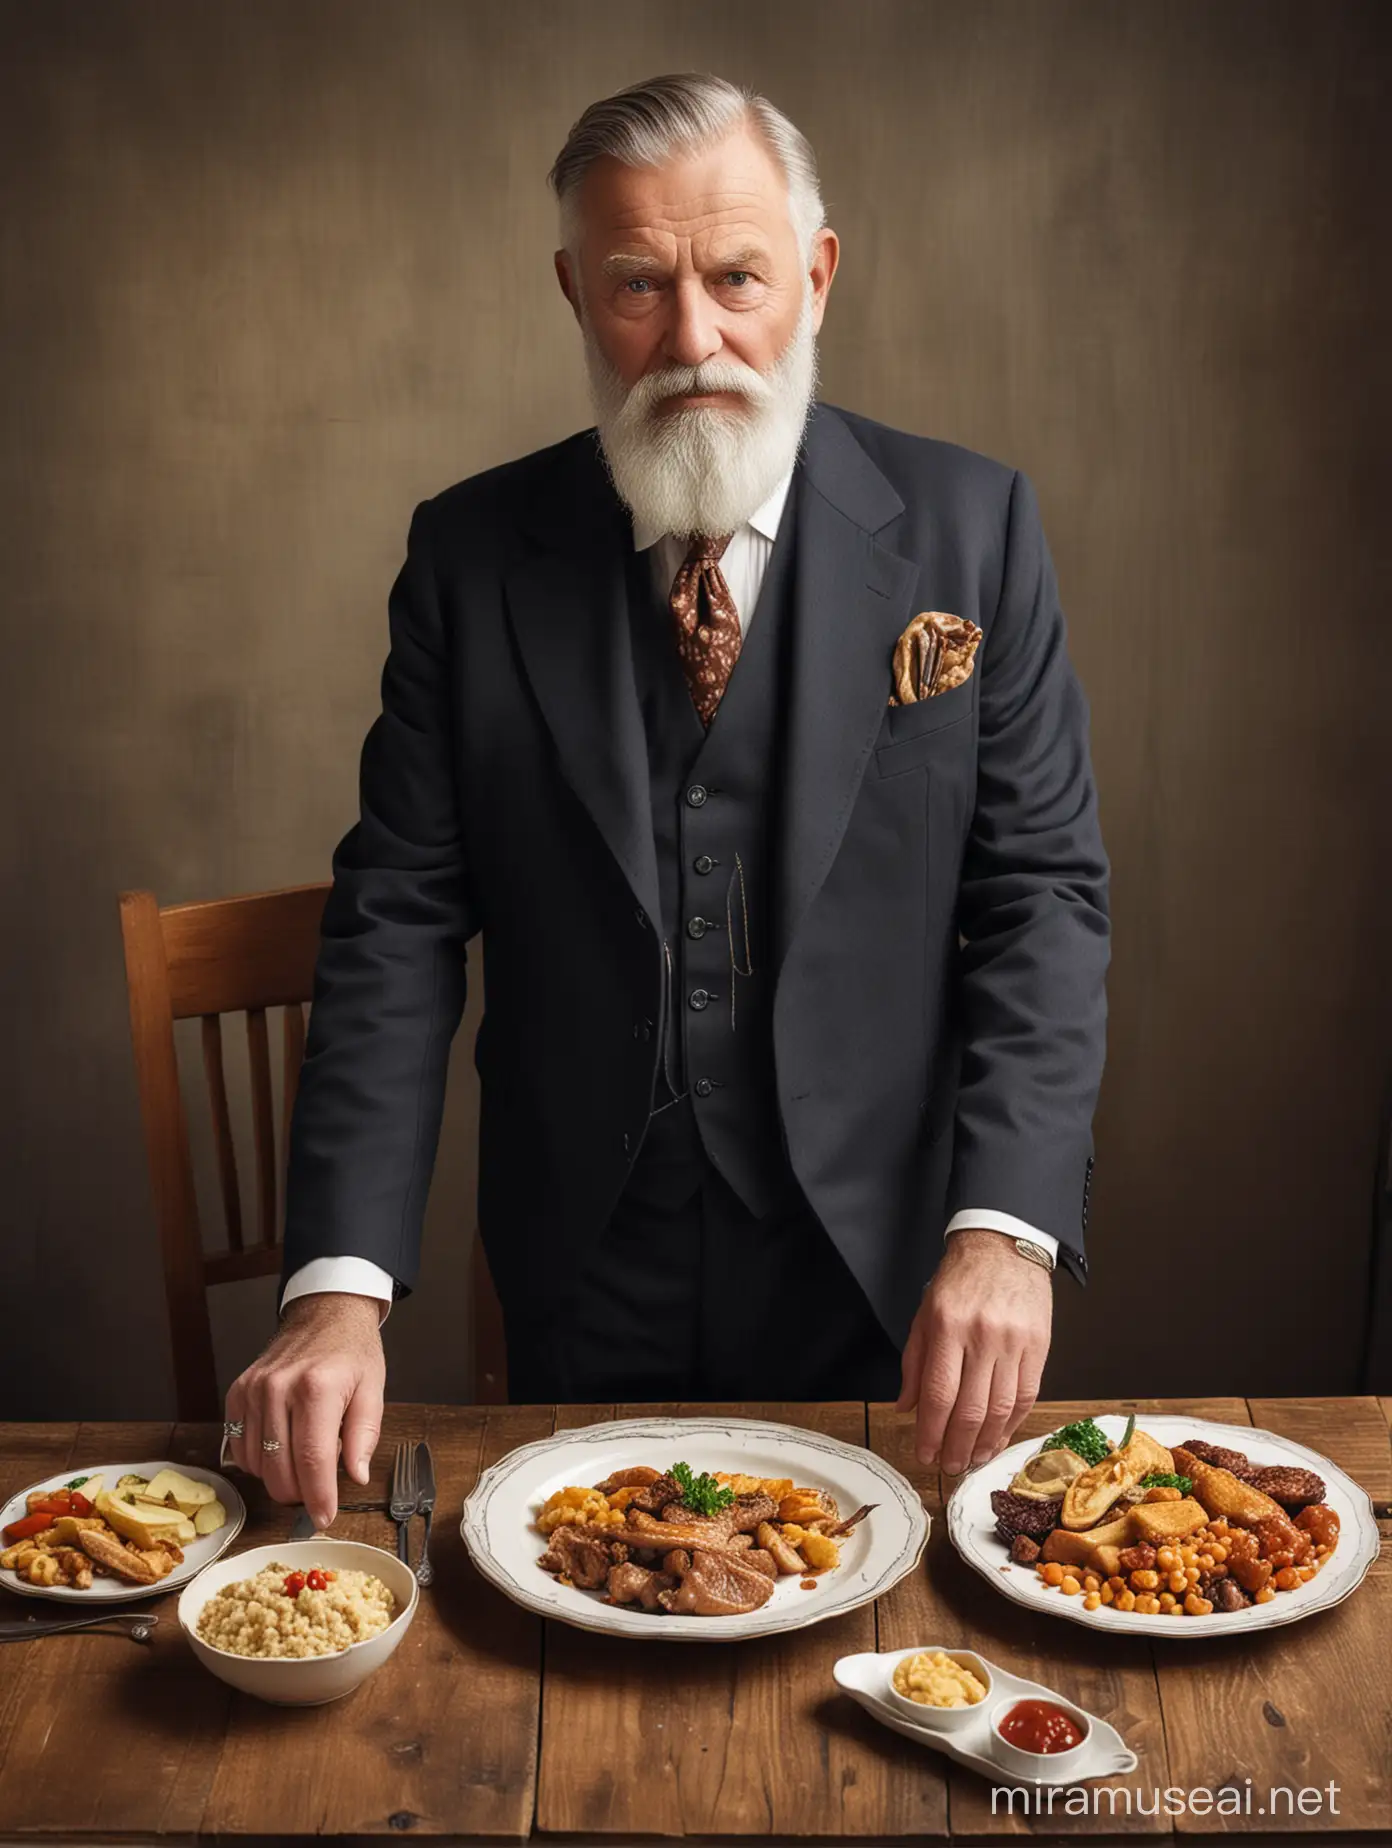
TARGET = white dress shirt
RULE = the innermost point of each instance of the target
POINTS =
(742, 564)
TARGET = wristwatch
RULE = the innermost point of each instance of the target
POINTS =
(1035, 1253)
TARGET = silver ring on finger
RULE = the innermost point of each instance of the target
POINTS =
(270, 1445)
(234, 1427)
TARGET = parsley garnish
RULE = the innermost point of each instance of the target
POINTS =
(1166, 1479)
(1084, 1439)
(702, 1494)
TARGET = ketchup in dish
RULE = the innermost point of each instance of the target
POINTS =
(1040, 1726)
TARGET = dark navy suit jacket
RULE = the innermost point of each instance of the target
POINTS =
(940, 923)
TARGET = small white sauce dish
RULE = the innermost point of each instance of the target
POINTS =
(1055, 1766)
(300, 1681)
(942, 1719)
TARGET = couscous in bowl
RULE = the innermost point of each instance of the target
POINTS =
(300, 1680)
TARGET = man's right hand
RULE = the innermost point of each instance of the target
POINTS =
(319, 1383)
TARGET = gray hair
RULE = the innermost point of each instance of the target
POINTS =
(654, 121)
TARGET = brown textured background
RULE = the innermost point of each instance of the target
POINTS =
(273, 272)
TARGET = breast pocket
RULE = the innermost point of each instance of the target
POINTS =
(911, 735)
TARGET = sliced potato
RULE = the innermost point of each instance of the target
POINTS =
(143, 1525)
(170, 1485)
(210, 1517)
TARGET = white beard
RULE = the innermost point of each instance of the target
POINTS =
(704, 468)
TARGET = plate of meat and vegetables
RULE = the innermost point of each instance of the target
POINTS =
(110, 1532)
(1179, 1526)
(691, 1529)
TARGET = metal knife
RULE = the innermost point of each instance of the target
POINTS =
(425, 1482)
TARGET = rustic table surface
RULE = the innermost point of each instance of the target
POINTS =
(488, 1722)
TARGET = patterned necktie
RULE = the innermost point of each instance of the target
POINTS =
(707, 630)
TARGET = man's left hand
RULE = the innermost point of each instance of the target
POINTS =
(976, 1351)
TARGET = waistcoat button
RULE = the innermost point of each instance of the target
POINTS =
(696, 795)
(703, 863)
(697, 927)
(698, 998)
(703, 1087)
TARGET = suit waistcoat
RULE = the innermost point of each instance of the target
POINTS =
(714, 798)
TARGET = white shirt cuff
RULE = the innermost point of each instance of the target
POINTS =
(1004, 1222)
(350, 1276)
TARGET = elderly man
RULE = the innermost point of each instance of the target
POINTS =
(742, 728)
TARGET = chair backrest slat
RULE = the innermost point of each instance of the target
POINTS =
(293, 1045)
(167, 1152)
(222, 1129)
(262, 1123)
(202, 961)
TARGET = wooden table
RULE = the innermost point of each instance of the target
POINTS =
(489, 1723)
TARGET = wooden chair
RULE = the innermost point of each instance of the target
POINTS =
(235, 955)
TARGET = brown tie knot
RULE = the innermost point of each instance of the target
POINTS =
(707, 548)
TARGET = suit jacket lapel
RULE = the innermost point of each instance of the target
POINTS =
(852, 597)
(567, 600)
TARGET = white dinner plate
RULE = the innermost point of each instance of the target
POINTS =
(505, 1546)
(200, 1553)
(971, 1527)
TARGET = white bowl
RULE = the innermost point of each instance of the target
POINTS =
(1053, 1765)
(300, 1681)
(941, 1718)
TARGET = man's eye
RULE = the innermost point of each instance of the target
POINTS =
(637, 282)
(740, 275)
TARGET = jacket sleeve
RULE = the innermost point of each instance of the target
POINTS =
(1034, 915)
(389, 982)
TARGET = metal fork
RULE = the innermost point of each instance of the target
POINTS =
(405, 1498)
(138, 1625)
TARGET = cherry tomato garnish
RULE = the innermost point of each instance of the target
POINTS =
(294, 1585)
(316, 1580)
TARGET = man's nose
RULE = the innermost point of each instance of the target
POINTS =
(693, 335)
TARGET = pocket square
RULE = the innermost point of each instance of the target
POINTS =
(934, 654)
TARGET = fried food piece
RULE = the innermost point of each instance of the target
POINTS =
(40, 1568)
(776, 1486)
(784, 1556)
(1223, 1495)
(1023, 1550)
(75, 1567)
(1160, 1522)
(641, 1476)
(1082, 1550)
(1088, 1497)
(68, 1526)
(808, 1507)
(127, 1561)
(820, 1553)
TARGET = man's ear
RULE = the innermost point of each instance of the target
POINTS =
(563, 276)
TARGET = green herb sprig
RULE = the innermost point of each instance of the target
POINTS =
(1084, 1439)
(1166, 1479)
(702, 1494)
